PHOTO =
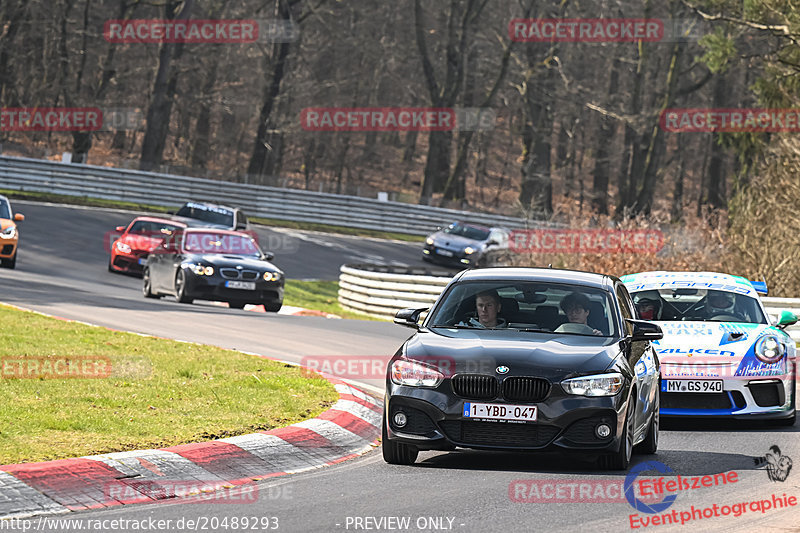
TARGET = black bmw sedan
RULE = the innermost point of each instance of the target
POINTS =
(213, 264)
(525, 359)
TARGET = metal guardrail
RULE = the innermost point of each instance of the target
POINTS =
(381, 291)
(25, 174)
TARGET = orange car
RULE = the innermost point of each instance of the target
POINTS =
(129, 252)
(8, 234)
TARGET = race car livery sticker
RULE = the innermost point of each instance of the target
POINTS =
(752, 366)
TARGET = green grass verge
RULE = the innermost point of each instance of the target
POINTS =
(160, 392)
(99, 202)
(318, 295)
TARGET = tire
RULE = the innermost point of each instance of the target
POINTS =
(147, 285)
(621, 459)
(9, 263)
(180, 288)
(273, 307)
(649, 445)
(397, 453)
(236, 305)
(110, 268)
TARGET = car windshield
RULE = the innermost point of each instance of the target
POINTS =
(5, 209)
(214, 243)
(213, 215)
(470, 232)
(152, 229)
(704, 305)
(529, 307)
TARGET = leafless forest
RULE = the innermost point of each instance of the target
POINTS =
(576, 135)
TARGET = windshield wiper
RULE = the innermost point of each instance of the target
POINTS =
(533, 330)
(456, 326)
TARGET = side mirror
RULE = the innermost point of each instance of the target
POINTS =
(492, 243)
(120, 228)
(269, 256)
(644, 330)
(19, 217)
(786, 318)
(409, 317)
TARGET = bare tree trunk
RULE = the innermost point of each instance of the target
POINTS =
(158, 114)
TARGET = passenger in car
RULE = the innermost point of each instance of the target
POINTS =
(576, 306)
(487, 305)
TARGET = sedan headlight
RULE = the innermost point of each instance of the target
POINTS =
(272, 276)
(597, 385)
(415, 374)
(769, 349)
(202, 270)
(9, 233)
(429, 241)
(469, 250)
(122, 247)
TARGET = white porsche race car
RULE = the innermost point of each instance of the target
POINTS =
(721, 355)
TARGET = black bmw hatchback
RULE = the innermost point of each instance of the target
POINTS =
(525, 359)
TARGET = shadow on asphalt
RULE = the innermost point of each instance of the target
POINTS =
(682, 462)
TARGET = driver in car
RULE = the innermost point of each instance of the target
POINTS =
(576, 306)
(487, 304)
(720, 303)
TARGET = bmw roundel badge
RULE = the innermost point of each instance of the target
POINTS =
(502, 369)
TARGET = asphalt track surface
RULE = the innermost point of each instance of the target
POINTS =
(62, 271)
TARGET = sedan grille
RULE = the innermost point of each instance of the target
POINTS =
(524, 389)
(475, 386)
(498, 434)
(249, 275)
(229, 273)
(695, 400)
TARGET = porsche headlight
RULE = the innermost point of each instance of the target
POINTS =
(769, 349)
(469, 250)
(272, 276)
(429, 241)
(415, 374)
(9, 233)
(597, 385)
(202, 270)
(122, 247)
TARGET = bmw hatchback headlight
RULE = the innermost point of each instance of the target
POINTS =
(414, 374)
(769, 349)
(9, 233)
(597, 385)
(469, 250)
(429, 241)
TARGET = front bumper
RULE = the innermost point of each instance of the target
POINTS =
(8, 247)
(767, 397)
(213, 288)
(458, 257)
(564, 423)
(132, 262)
